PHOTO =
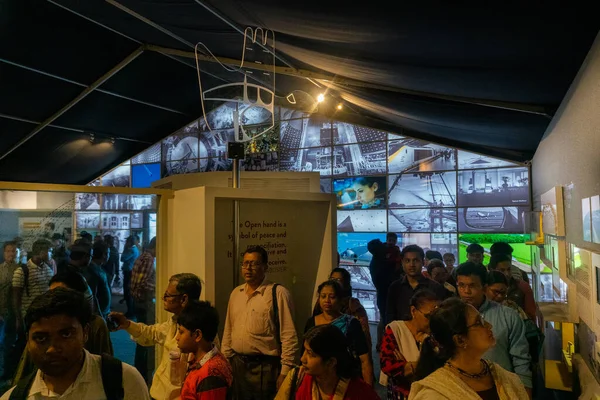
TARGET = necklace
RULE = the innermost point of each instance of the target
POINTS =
(484, 371)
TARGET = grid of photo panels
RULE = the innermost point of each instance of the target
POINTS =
(435, 196)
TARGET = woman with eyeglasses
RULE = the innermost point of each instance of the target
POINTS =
(451, 364)
(497, 290)
(401, 344)
(350, 305)
(330, 302)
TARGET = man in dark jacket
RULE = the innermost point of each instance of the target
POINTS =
(385, 267)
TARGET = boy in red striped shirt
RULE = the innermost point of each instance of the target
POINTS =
(209, 375)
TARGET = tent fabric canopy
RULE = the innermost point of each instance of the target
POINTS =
(479, 77)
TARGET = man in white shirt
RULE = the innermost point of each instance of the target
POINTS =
(182, 289)
(260, 343)
(58, 323)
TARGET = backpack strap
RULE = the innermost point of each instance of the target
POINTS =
(21, 391)
(276, 314)
(112, 377)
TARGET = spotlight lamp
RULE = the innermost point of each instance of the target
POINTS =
(92, 138)
(340, 106)
(320, 98)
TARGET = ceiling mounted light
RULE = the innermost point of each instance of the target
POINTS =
(340, 106)
(320, 98)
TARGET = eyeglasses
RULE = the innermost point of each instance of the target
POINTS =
(167, 296)
(428, 316)
(251, 265)
(479, 322)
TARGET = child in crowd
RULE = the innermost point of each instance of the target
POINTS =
(209, 375)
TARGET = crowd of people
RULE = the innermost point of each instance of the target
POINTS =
(446, 332)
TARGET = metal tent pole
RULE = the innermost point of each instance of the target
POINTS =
(76, 100)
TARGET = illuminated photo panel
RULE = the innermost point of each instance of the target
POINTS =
(214, 143)
(595, 210)
(422, 220)
(353, 248)
(88, 220)
(422, 189)
(150, 155)
(359, 159)
(521, 251)
(182, 145)
(412, 155)
(493, 187)
(344, 133)
(261, 162)
(326, 186)
(115, 221)
(491, 219)
(142, 175)
(362, 221)
(360, 193)
(442, 242)
(118, 177)
(317, 159)
(468, 160)
(182, 167)
(116, 202)
(87, 201)
(586, 219)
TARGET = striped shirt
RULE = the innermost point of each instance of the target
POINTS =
(143, 277)
(38, 282)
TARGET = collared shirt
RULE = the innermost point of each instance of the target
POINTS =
(143, 277)
(162, 334)
(88, 384)
(250, 324)
(511, 351)
(400, 293)
(7, 272)
(38, 282)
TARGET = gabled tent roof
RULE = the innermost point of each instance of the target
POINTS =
(475, 76)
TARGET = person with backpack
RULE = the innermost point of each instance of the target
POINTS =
(57, 323)
(29, 281)
(260, 338)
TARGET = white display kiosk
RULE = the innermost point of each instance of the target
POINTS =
(297, 229)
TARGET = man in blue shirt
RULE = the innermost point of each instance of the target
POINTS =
(512, 349)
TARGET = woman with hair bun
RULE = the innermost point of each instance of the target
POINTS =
(450, 366)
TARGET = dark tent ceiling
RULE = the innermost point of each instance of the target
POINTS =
(480, 77)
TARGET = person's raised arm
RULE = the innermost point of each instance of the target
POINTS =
(142, 334)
